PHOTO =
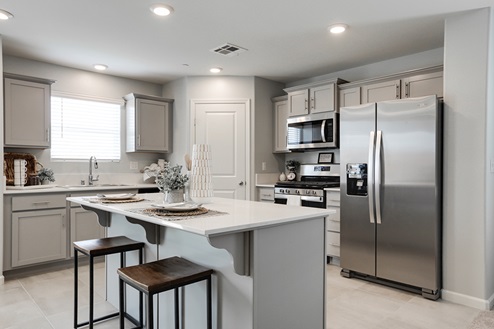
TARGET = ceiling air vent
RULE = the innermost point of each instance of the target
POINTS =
(228, 50)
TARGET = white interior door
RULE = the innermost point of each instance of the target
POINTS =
(224, 125)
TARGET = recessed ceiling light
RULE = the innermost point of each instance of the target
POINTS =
(161, 9)
(337, 28)
(5, 15)
(215, 70)
(100, 67)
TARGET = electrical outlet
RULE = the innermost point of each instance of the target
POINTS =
(134, 165)
(263, 165)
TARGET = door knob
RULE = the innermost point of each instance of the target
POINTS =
(241, 183)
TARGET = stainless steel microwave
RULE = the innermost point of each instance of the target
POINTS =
(318, 130)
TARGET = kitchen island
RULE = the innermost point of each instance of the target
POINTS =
(269, 260)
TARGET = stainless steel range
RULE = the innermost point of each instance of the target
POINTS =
(309, 190)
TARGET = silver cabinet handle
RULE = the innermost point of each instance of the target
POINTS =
(41, 202)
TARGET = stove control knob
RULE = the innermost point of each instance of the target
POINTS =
(314, 192)
(307, 192)
(287, 191)
(297, 191)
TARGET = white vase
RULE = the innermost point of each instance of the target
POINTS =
(282, 177)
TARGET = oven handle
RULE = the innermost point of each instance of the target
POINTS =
(323, 131)
(312, 198)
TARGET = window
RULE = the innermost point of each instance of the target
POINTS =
(82, 128)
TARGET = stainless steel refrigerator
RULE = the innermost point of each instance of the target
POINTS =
(391, 193)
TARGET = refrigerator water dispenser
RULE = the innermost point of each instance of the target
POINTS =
(356, 179)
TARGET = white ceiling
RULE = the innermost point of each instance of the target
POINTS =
(287, 40)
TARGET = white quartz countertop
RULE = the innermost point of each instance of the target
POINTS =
(73, 188)
(237, 215)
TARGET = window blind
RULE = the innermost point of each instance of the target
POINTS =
(82, 128)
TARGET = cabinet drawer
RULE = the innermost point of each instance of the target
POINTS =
(333, 244)
(333, 198)
(33, 202)
(266, 194)
(333, 222)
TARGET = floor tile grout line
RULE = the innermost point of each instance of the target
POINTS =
(34, 301)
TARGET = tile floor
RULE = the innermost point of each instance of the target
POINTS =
(45, 301)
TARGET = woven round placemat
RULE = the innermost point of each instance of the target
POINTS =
(167, 213)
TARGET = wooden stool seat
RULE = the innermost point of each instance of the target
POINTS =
(102, 247)
(107, 246)
(162, 275)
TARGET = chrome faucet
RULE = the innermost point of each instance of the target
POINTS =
(91, 179)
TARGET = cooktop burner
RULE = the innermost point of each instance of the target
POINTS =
(308, 184)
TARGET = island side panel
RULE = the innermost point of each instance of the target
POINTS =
(232, 293)
(289, 272)
(120, 226)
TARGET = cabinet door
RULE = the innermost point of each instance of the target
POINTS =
(423, 85)
(298, 102)
(84, 225)
(266, 194)
(382, 91)
(322, 98)
(152, 125)
(27, 114)
(38, 236)
(350, 97)
(280, 127)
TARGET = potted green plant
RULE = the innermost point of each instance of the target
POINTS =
(46, 176)
(172, 182)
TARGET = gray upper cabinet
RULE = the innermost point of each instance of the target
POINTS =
(381, 91)
(312, 98)
(423, 85)
(280, 108)
(149, 123)
(27, 111)
(416, 83)
(349, 97)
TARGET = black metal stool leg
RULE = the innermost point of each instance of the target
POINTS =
(76, 284)
(177, 313)
(209, 302)
(91, 292)
(121, 302)
(150, 317)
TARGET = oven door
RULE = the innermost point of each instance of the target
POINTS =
(313, 201)
(290, 200)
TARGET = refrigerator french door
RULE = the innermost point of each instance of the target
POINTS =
(391, 193)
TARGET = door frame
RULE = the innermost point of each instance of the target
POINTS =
(248, 115)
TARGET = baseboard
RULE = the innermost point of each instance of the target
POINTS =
(466, 300)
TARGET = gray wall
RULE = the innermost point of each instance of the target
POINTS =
(85, 83)
(259, 91)
(468, 150)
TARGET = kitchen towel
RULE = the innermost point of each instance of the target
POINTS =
(293, 200)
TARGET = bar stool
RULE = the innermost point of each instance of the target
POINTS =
(102, 247)
(162, 275)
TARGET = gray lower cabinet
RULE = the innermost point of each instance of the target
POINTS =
(265, 194)
(333, 224)
(38, 229)
(84, 225)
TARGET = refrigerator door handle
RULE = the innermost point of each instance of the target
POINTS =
(377, 177)
(370, 177)
(323, 131)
